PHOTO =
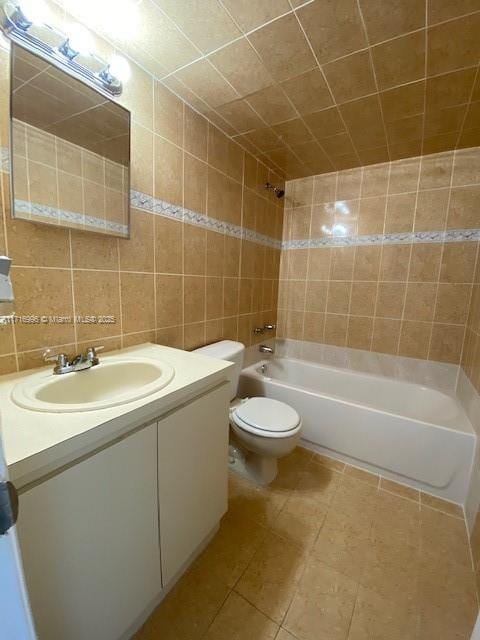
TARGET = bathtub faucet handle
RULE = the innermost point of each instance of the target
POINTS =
(264, 348)
(269, 327)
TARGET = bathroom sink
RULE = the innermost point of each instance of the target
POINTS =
(115, 381)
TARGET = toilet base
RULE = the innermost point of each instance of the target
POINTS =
(256, 468)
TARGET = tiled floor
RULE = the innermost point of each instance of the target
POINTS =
(327, 553)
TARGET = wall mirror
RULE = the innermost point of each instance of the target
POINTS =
(70, 150)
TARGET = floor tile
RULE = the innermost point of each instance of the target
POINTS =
(238, 620)
(396, 518)
(290, 469)
(230, 551)
(399, 489)
(342, 544)
(361, 474)
(355, 499)
(441, 505)
(391, 569)
(323, 606)
(318, 483)
(331, 463)
(271, 578)
(377, 618)
(300, 520)
(446, 585)
(445, 536)
(188, 610)
(325, 555)
(440, 622)
(283, 634)
(252, 502)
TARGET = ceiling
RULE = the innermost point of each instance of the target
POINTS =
(311, 87)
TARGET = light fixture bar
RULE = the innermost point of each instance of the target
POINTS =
(16, 26)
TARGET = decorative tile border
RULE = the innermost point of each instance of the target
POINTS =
(70, 217)
(139, 200)
(418, 237)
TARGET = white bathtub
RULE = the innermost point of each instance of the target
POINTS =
(408, 432)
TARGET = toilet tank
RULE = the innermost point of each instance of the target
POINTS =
(231, 351)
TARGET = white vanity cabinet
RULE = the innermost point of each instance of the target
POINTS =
(192, 477)
(89, 542)
(95, 559)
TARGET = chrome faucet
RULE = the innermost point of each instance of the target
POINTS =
(78, 363)
(264, 348)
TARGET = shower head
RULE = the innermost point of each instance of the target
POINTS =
(276, 190)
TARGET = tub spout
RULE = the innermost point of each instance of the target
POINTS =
(263, 348)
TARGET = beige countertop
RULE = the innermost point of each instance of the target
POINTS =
(38, 443)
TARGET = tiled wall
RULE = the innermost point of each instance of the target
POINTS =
(395, 287)
(69, 180)
(172, 282)
(471, 353)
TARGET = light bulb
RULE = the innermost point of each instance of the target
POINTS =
(80, 39)
(119, 68)
(35, 11)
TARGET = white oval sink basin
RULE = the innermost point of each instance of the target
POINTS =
(114, 381)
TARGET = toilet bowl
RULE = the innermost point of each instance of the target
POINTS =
(262, 430)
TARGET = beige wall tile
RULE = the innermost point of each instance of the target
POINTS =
(194, 299)
(137, 253)
(195, 179)
(168, 234)
(142, 159)
(458, 262)
(400, 213)
(415, 339)
(195, 133)
(168, 171)
(420, 301)
(425, 262)
(138, 301)
(168, 114)
(169, 300)
(193, 335)
(360, 331)
(446, 345)
(43, 292)
(386, 335)
(390, 299)
(367, 263)
(96, 293)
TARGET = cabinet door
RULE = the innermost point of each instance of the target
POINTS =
(192, 477)
(89, 541)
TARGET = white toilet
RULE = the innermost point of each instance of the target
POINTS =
(263, 429)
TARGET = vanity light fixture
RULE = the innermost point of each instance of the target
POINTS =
(68, 52)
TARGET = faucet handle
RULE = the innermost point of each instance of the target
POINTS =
(91, 353)
(60, 358)
(269, 327)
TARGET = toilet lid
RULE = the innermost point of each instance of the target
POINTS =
(268, 415)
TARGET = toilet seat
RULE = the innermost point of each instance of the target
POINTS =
(266, 417)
